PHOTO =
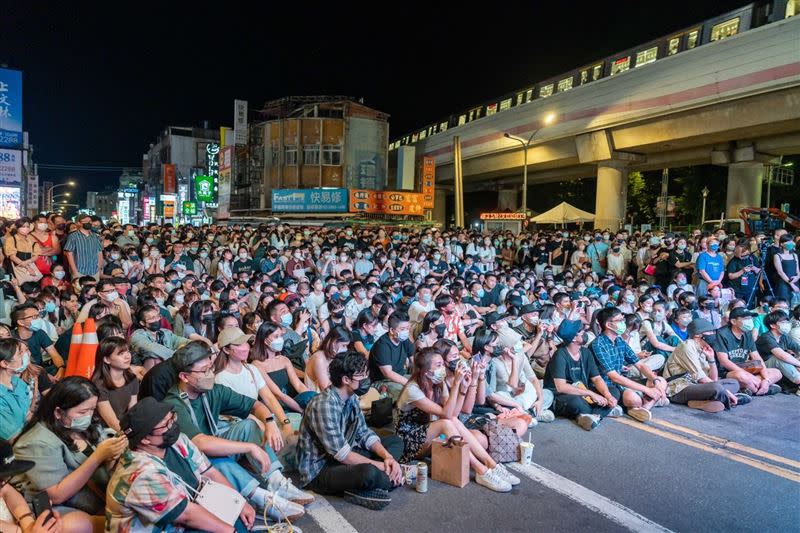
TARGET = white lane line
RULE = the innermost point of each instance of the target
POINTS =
(328, 518)
(616, 512)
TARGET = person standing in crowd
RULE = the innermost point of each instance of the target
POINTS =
(787, 271)
(83, 250)
(710, 268)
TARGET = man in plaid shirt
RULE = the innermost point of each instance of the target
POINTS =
(337, 452)
(613, 356)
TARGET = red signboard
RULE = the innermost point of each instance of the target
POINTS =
(225, 158)
(169, 178)
(426, 181)
(386, 202)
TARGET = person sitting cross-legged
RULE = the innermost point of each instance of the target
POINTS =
(573, 376)
(337, 453)
(777, 348)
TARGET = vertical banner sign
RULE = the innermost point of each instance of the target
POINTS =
(169, 178)
(204, 188)
(240, 122)
(225, 172)
(427, 181)
(212, 164)
(33, 194)
(10, 168)
(10, 108)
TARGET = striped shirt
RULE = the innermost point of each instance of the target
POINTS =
(84, 249)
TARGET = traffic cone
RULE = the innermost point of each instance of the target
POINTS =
(88, 351)
(74, 349)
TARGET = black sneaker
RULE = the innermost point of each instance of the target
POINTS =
(773, 389)
(743, 399)
(375, 499)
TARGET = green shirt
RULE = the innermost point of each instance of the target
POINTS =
(221, 400)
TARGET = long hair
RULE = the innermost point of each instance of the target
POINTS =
(422, 363)
(102, 370)
(337, 334)
(483, 337)
(430, 318)
(65, 394)
(259, 351)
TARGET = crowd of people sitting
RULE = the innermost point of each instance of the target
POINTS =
(236, 355)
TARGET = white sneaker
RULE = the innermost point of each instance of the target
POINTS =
(506, 474)
(616, 412)
(492, 481)
(284, 488)
(281, 509)
(546, 416)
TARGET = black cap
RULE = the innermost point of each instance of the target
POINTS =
(741, 312)
(699, 326)
(493, 318)
(287, 282)
(568, 330)
(530, 308)
(188, 354)
(140, 419)
(9, 465)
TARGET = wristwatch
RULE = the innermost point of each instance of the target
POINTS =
(285, 422)
(270, 418)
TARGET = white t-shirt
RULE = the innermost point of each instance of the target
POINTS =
(245, 383)
(417, 311)
(413, 393)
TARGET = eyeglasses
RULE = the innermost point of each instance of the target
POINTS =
(207, 371)
(30, 317)
(360, 377)
(168, 424)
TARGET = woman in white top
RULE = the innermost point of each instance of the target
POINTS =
(316, 298)
(518, 384)
(317, 378)
(152, 260)
(233, 371)
(225, 266)
(579, 255)
(486, 255)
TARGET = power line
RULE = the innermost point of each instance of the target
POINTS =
(87, 168)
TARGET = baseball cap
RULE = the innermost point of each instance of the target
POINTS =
(140, 419)
(699, 326)
(568, 330)
(741, 312)
(493, 318)
(233, 336)
(188, 354)
(530, 308)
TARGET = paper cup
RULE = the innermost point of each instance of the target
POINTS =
(525, 453)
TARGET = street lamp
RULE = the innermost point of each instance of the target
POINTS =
(705, 192)
(548, 119)
(70, 183)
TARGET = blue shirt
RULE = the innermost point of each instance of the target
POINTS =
(713, 266)
(612, 356)
(14, 405)
(84, 248)
(597, 251)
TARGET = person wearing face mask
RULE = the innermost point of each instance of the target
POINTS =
(356, 304)
(198, 403)
(787, 271)
(419, 308)
(778, 349)
(83, 250)
(742, 270)
(150, 342)
(16, 397)
(300, 264)
(433, 329)
(48, 244)
(22, 251)
(149, 488)
(681, 318)
(657, 336)
(390, 356)
(267, 355)
(574, 378)
(694, 375)
(738, 358)
(710, 268)
(72, 463)
(614, 356)
(29, 329)
(107, 293)
(344, 266)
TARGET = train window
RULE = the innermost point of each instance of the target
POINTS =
(726, 29)
(545, 90)
(422, 134)
(597, 72)
(673, 46)
(529, 95)
(565, 84)
(443, 126)
(505, 104)
(462, 119)
(491, 109)
(474, 114)
(791, 8)
(584, 76)
(691, 39)
(646, 56)
(621, 65)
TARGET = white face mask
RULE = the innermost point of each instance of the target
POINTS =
(784, 327)
(41, 226)
(59, 274)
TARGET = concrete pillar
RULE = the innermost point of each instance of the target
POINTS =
(507, 199)
(440, 207)
(744, 187)
(612, 195)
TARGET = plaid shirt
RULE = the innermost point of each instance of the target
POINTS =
(143, 495)
(612, 356)
(331, 428)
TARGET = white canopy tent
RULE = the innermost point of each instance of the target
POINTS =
(563, 213)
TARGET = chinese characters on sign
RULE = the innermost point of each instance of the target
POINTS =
(240, 122)
(10, 168)
(169, 178)
(386, 202)
(502, 216)
(189, 208)
(212, 164)
(204, 188)
(10, 107)
(309, 200)
(426, 179)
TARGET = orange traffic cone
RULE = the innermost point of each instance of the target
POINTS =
(74, 349)
(88, 351)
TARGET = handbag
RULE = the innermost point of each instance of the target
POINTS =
(26, 273)
(650, 270)
(380, 413)
(753, 366)
(503, 442)
(450, 461)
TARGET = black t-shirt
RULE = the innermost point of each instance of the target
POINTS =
(744, 283)
(384, 352)
(37, 344)
(491, 297)
(563, 366)
(179, 465)
(767, 342)
(158, 380)
(119, 398)
(683, 257)
(738, 350)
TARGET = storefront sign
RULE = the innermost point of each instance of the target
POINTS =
(386, 202)
(502, 216)
(309, 200)
(10, 168)
(10, 107)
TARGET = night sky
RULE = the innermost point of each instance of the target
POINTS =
(101, 82)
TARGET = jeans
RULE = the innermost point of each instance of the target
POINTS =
(336, 477)
(247, 430)
(655, 363)
(570, 406)
(716, 390)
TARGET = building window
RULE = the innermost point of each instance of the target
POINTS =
(462, 119)
(621, 65)
(597, 72)
(545, 90)
(474, 114)
(274, 155)
(422, 134)
(311, 154)
(442, 126)
(584, 76)
(505, 104)
(565, 85)
(491, 109)
(332, 154)
(691, 39)
(291, 155)
(726, 29)
(520, 98)
(646, 56)
(672, 47)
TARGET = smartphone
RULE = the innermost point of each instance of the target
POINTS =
(41, 503)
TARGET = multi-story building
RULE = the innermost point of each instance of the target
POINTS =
(169, 169)
(302, 142)
(129, 208)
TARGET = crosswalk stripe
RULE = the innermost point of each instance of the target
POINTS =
(328, 518)
(614, 511)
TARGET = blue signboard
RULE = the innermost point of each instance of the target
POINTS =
(10, 108)
(310, 200)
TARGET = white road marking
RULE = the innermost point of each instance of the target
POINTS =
(616, 512)
(328, 518)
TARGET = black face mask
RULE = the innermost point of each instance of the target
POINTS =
(87, 226)
(440, 330)
(363, 387)
(154, 326)
(452, 365)
(209, 319)
(170, 437)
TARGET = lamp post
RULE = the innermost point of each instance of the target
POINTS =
(50, 193)
(705, 192)
(525, 145)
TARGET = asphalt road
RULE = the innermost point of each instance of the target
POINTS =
(685, 471)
